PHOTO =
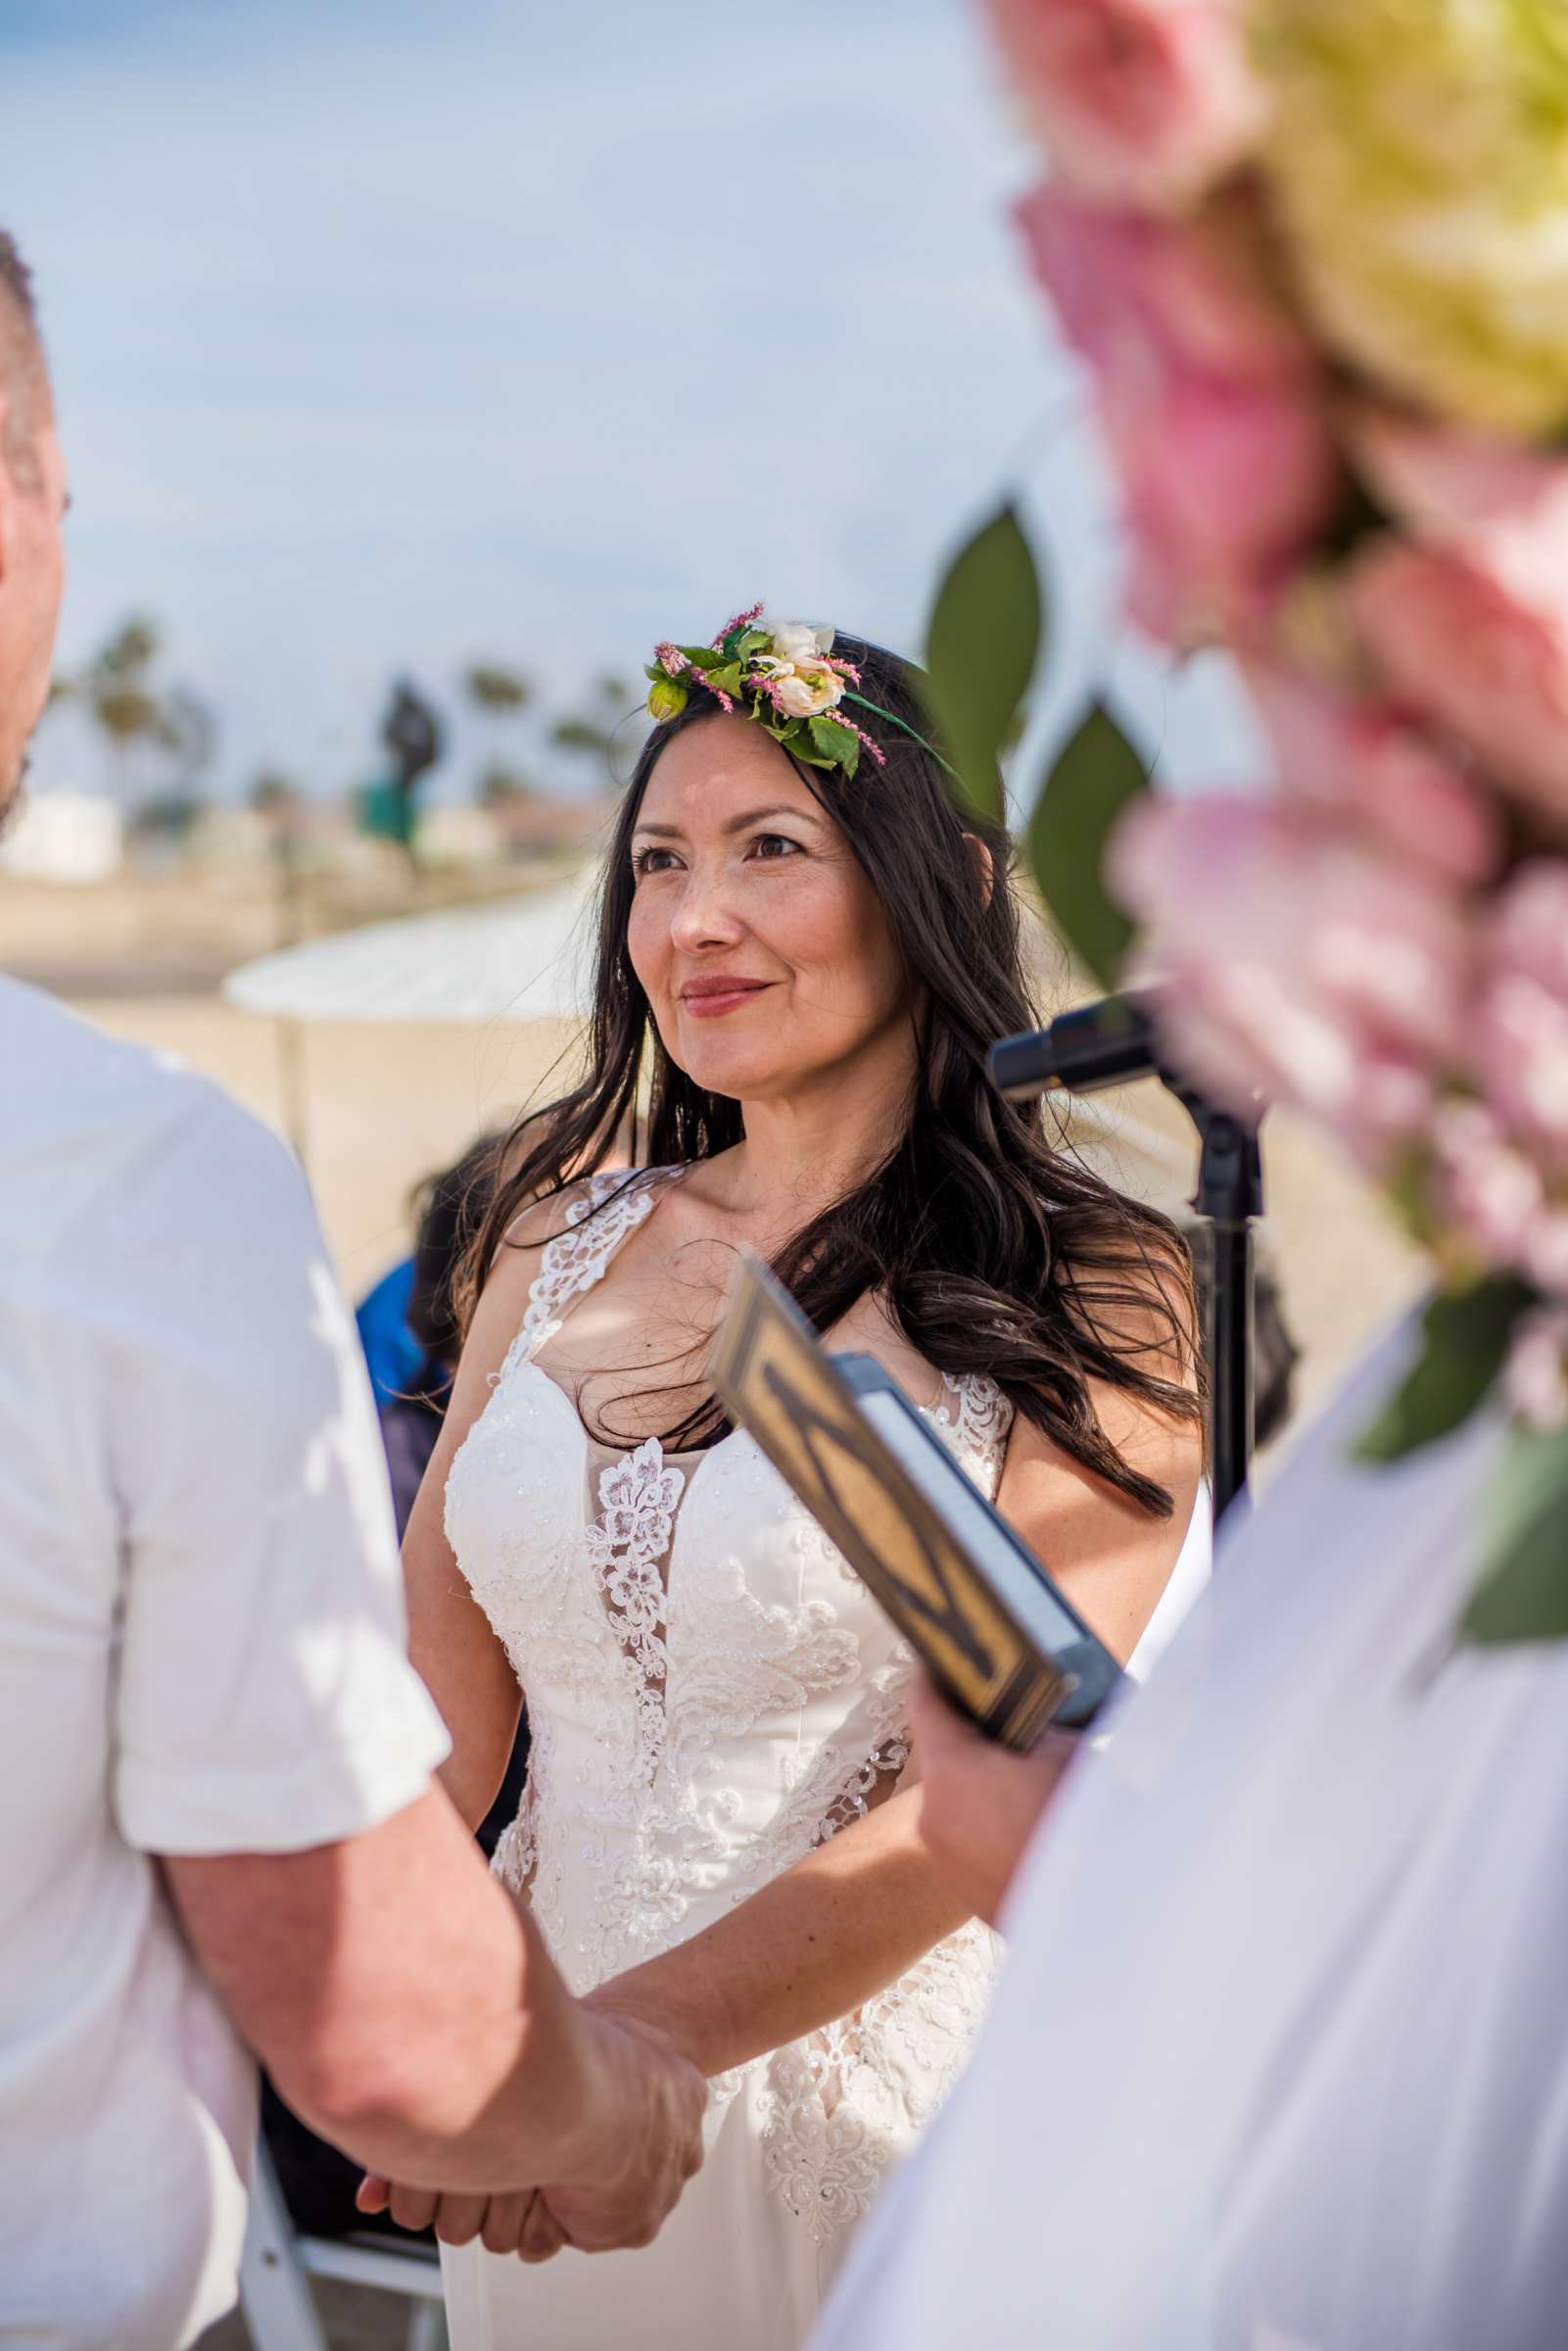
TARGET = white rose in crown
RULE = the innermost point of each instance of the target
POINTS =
(807, 692)
(795, 642)
(796, 662)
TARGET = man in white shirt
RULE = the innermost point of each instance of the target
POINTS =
(216, 1815)
(1279, 2057)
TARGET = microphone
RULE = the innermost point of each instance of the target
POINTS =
(1107, 1044)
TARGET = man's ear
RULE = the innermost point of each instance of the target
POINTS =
(985, 865)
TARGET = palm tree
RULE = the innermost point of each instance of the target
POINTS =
(499, 693)
(117, 691)
(597, 732)
(121, 700)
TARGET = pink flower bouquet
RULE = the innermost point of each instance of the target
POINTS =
(1314, 255)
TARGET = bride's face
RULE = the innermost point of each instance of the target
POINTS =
(762, 948)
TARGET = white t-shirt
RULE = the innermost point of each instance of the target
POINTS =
(1279, 2056)
(202, 1651)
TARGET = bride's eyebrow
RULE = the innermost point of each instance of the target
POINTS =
(737, 824)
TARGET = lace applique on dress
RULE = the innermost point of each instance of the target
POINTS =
(627, 1545)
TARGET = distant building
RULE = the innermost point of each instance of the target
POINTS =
(70, 837)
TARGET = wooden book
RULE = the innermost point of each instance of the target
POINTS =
(992, 1629)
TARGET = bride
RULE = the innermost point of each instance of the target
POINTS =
(804, 959)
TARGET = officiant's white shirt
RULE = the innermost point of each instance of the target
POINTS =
(201, 1651)
(1279, 2058)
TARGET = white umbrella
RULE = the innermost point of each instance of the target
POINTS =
(523, 959)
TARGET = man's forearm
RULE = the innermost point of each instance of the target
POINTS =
(826, 1935)
(405, 2009)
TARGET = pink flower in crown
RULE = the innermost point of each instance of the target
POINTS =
(1466, 613)
(736, 620)
(1139, 102)
(1210, 397)
(1299, 962)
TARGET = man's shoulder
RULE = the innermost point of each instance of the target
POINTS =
(85, 1113)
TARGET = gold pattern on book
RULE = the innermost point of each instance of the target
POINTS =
(777, 1382)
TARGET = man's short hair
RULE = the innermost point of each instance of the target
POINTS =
(23, 381)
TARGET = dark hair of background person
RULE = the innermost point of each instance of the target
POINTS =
(22, 380)
(447, 1209)
(995, 1253)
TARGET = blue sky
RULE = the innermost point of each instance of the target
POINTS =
(396, 337)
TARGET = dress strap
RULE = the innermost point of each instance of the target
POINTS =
(608, 1207)
(980, 1419)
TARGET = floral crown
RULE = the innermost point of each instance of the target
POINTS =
(784, 674)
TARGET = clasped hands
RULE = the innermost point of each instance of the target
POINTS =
(979, 1808)
(626, 2196)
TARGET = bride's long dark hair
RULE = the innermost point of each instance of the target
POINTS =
(994, 1252)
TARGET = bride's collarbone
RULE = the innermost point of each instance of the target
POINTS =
(632, 1354)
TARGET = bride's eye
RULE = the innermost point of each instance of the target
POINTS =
(652, 861)
(774, 846)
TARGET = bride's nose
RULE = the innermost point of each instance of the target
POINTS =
(705, 915)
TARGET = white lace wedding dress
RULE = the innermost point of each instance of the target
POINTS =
(711, 1693)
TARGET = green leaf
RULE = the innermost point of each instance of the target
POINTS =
(726, 679)
(1096, 774)
(796, 741)
(1465, 1337)
(701, 656)
(981, 649)
(1523, 1591)
(840, 743)
(753, 641)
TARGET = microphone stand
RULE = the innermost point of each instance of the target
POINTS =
(1229, 1195)
(1114, 1044)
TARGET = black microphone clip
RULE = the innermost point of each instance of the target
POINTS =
(1110, 1042)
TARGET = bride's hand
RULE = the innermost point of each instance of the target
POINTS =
(980, 1803)
(520, 2221)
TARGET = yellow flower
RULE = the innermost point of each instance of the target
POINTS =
(1420, 157)
(666, 699)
